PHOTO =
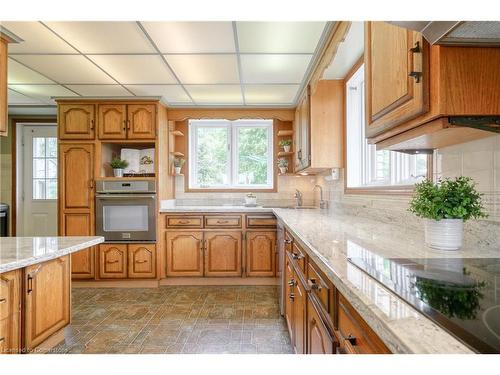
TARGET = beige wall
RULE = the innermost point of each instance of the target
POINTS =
(6, 168)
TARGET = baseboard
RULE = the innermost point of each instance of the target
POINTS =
(48, 344)
(219, 281)
(115, 284)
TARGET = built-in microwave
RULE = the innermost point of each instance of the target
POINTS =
(126, 210)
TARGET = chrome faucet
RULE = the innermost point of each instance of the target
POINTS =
(322, 203)
(298, 198)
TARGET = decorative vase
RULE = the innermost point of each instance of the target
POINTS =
(286, 148)
(177, 170)
(283, 170)
(445, 234)
(118, 172)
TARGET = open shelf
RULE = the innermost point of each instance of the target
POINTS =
(283, 153)
(284, 133)
(176, 153)
(177, 133)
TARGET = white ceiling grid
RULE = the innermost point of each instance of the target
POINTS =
(185, 63)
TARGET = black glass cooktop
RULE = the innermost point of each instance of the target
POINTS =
(461, 295)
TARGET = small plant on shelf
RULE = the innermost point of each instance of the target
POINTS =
(445, 206)
(286, 144)
(283, 165)
(118, 166)
(178, 163)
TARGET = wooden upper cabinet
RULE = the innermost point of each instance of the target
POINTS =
(222, 254)
(141, 261)
(47, 300)
(319, 339)
(396, 76)
(76, 167)
(260, 259)
(302, 133)
(3, 87)
(113, 261)
(141, 121)
(80, 224)
(184, 253)
(76, 121)
(112, 121)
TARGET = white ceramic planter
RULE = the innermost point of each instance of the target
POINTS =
(446, 234)
(177, 170)
(118, 172)
(286, 148)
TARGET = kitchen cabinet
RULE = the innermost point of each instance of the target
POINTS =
(299, 315)
(113, 261)
(80, 224)
(288, 295)
(222, 253)
(319, 339)
(126, 121)
(10, 312)
(396, 76)
(261, 253)
(3, 87)
(184, 253)
(302, 131)
(422, 97)
(76, 121)
(141, 261)
(47, 299)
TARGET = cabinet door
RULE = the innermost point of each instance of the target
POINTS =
(303, 137)
(47, 300)
(184, 253)
(141, 261)
(76, 121)
(319, 340)
(76, 166)
(113, 261)
(112, 121)
(289, 289)
(299, 317)
(393, 95)
(222, 254)
(3, 87)
(261, 259)
(10, 312)
(83, 261)
(141, 121)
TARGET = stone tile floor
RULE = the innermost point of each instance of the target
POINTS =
(176, 319)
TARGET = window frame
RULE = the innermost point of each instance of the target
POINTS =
(374, 189)
(233, 165)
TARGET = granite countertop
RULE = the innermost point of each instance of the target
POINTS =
(20, 252)
(183, 209)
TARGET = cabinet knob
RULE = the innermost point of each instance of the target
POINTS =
(313, 284)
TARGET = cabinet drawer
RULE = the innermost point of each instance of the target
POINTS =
(222, 221)
(9, 293)
(184, 221)
(355, 335)
(299, 257)
(320, 287)
(261, 221)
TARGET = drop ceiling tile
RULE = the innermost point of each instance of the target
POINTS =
(279, 37)
(215, 94)
(270, 94)
(66, 68)
(135, 69)
(42, 92)
(14, 98)
(274, 68)
(100, 90)
(104, 37)
(205, 69)
(191, 37)
(37, 39)
(18, 73)
(171, 93)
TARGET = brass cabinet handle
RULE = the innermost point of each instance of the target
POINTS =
(222, 221)
(124, 124)
(2, 339)
(112, 261)
(128, 124)
(3, 300)
(30, 284)
(416, 75)
(313, 284)
(141, 261)
(91, 124)
(183, 221)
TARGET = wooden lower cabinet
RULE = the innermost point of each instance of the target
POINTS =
(47, 299)
(288, 297)
(10, 312)
(299, 316)
(319, 339)
(222, 253)
(184, 253)
(113, 261)
(260, 253)
(141, 261)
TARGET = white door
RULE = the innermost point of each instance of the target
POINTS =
(39, 196)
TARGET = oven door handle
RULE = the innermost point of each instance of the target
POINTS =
(123, 196)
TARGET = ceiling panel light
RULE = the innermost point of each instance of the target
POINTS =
(205, 69)
(274, 68)
(215, 94)
(171, 93)
(100, 90)
(270, 94)
(42, 92)
(18, 73)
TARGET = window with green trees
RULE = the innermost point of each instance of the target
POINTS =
(231, 154)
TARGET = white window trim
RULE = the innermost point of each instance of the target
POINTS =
(232, 153)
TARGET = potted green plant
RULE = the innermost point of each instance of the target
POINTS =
(445, 206)
(286, 144)
(283, 165)
(178, 163)
(118, 165)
